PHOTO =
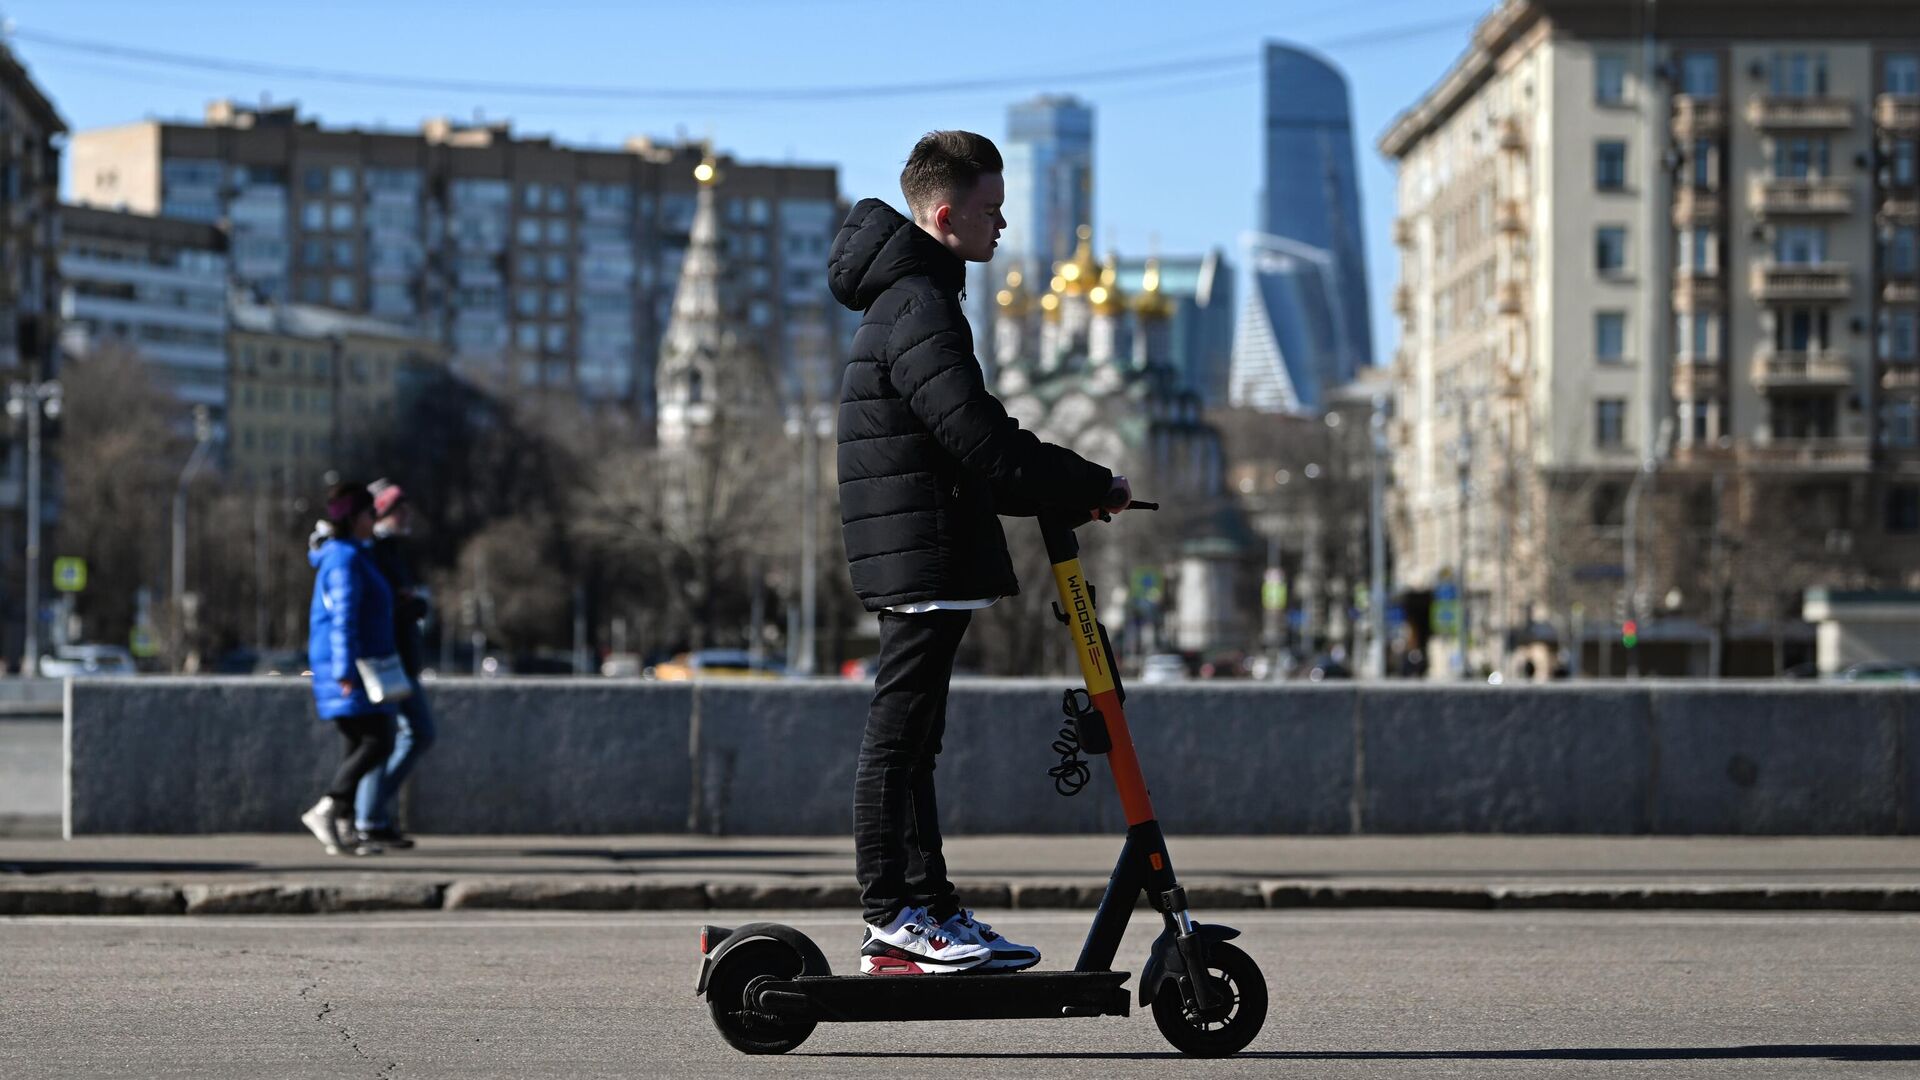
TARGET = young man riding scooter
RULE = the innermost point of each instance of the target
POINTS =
(928, 458)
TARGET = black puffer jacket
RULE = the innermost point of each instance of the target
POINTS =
(928, 456)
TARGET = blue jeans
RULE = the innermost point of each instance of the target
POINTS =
(412, 736)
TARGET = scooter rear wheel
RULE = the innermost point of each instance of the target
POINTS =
(1236, 980)
(747, 1029)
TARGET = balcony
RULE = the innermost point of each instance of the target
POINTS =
(1816, 282)
(1402, 299)
(1512, 297)
(1695, 206)
(1903, 377)
(1800, 114)
(1694, 117)
(1403, 232)
(1898, 113)
(1811, 368)
(1508, 217)
(1775, 198)
(1696, 289)
(1903, 291)
(1833, 454)
(1899, 208)
(1512, 138)
(1696, 376)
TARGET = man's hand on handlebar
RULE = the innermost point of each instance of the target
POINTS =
(1119, 496)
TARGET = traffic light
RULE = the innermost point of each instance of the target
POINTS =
(1629, 633)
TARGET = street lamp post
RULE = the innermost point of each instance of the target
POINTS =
(202, 441)
(30, 401)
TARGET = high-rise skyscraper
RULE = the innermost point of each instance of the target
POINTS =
(1304, 330)
(1049, 174)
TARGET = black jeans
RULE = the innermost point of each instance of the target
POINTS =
(896, 822)
(369, 740)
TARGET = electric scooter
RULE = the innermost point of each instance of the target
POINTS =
(767, 985)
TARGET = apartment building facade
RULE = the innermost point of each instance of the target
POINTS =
(307, 384)
(1657, 301)
(154, 286)
(540, 265)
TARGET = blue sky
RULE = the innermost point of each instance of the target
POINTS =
(1177, 149)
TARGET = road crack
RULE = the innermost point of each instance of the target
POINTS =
(328, 1016)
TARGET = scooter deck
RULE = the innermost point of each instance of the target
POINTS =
(1011, 996)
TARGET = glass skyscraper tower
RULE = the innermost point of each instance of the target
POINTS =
(1304, 330)
(1049, 174)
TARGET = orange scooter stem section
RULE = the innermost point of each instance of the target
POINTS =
(1134, 798)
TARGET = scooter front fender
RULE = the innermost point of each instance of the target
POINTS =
(812, 960)
(1164, 960)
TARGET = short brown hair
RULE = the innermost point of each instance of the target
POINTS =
(946, 164)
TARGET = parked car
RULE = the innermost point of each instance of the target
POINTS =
(81, 661)
(1879, 671)
(622, 665)
(1163, 667)
(282, 662)
(719, 664)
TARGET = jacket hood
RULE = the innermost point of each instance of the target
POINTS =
(877, 246)
(334, 548)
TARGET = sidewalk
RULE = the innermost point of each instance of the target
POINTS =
(268, 874)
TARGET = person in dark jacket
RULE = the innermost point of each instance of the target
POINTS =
(413, 732)
(350, 620)
(928, 459)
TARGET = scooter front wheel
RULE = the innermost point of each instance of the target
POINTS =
(729, 998)
(1227, 1029)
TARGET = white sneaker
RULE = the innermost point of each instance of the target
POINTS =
(323, 825)
(1004, 955)
(914, 945)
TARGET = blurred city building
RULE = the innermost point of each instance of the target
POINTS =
(1658, 300)
(1304, 328)
(1049, 174)
(1087, 363)
(155, 286)
(307, 382)
(539, 265)
(30, 131)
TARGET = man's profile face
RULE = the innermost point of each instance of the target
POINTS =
(972, 225)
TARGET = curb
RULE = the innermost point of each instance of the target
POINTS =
(601, 894)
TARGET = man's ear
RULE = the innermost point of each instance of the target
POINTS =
(943, 217)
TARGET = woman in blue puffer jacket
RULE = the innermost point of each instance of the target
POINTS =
(351, 620)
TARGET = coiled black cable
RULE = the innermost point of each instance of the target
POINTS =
(1072, 773)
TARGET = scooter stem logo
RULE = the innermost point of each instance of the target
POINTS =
(1086, 627)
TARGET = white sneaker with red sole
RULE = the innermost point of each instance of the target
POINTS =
(913, 944)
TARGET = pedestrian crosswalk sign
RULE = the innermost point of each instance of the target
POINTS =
(70, 574)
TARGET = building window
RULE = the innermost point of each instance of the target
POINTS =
(1702, 167)
(526, 335)
(526, 267)
(1800, 245)
(556, 337)
(313, 181)
(1799, 74)
(340, 216)
(556, 199)
(1700, 75)
(1609, 79)
(1610, 419)
(1705, 335)
(556, 230)
(340, 291)
(1697, 249)
(1610, 249)
(343, 255)
(313, 253)
(1897, 336)
(1802, 157)
(1610, 336)
(312, 289)
(1903, 158)
(1802, 416)
(527, 230)
(1903, 508)
(1799, 330)
(1900, 423)
(526, 302)
(313, 216)
(1903, 75)
(556, 268)
(557, 304)
(1897, 251)
(1610, 165)
(341, 177)
(531, 196)
(1609, 508)
(1698, 416)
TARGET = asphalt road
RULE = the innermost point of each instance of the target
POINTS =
(1355, 994)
